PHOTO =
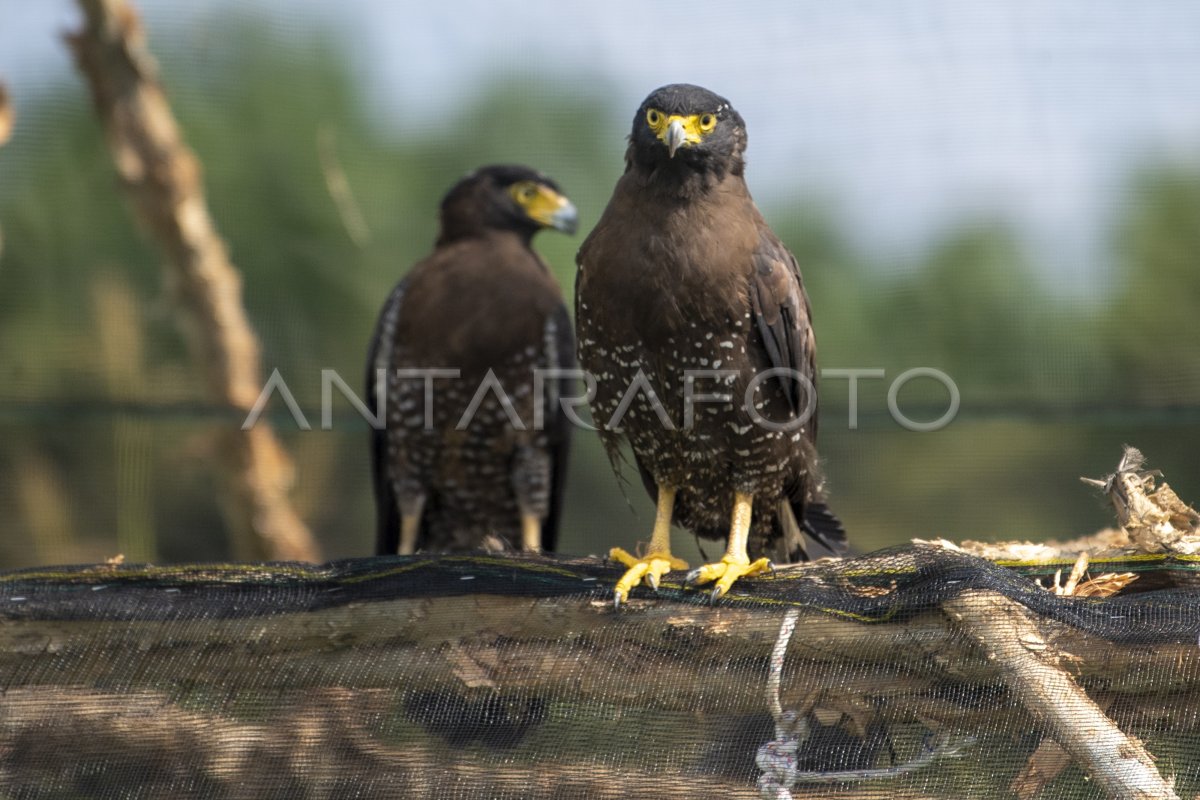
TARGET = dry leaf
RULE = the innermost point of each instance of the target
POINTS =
(1046, 763)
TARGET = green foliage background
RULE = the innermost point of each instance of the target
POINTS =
(104, 428)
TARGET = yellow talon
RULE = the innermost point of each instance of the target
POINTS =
(658, 561)
(726, 571)
(648, 569)
(736, 563)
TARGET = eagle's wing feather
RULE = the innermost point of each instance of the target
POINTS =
(379, 357)
(782, 315)
(560, 339)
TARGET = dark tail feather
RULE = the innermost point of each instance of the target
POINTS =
(818, 522)
(821, 524)
(387, 530)
(387, 513)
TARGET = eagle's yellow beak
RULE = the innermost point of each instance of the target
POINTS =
(553, 210)
(680, 131)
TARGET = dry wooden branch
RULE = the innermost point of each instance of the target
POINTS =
(1154, 516)
(1010, 637)
(338, 186)
(1080, 584)
(162, 178)
(6, 115)
(6, 126)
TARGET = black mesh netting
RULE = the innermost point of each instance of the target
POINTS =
(486, 677)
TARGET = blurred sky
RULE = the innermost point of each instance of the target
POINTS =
(903, 116)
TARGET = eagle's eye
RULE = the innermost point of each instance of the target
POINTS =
(654, 117)
(524, 192)
(708, 122)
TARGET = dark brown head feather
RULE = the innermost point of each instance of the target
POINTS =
(721, 151)
(480, 202)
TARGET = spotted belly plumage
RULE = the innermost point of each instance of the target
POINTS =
(717, 450)
(480, 463)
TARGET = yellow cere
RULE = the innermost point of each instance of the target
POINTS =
(540, 202)
(695, 126)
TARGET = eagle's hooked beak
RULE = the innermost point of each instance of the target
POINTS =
(676, 136)
(565, 218)
(545, 206)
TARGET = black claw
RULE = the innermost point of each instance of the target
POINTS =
(714, 597)
(771, 567)
(616, 602)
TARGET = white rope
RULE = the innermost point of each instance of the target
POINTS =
(778, 758)
(777, 656)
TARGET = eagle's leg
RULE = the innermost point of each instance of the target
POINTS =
(658, 560)
(531, 485)
(531, 533)
(736, 563)
(409, 525)
(412, 505)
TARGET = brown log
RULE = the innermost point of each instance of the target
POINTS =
(331, 744)
(661, 668)
(572, 647)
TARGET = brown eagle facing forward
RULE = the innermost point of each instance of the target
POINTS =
(693, 319)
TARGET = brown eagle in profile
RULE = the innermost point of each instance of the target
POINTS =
(693, 319)
(460, 463)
